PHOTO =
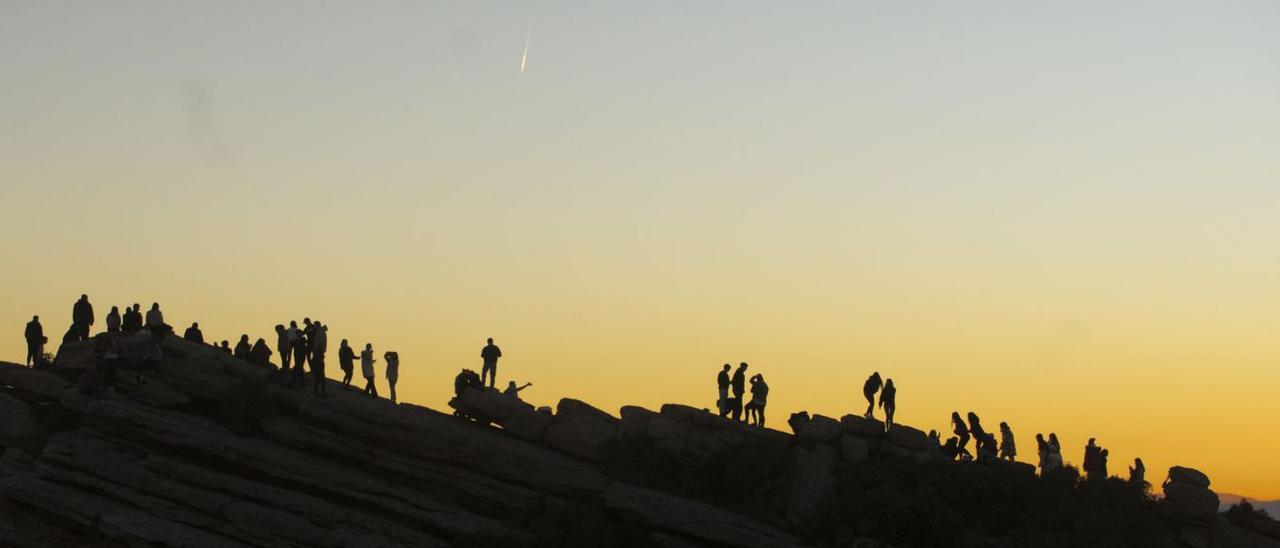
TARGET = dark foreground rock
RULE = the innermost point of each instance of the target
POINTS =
(217, 452)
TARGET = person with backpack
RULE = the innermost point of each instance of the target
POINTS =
(888, 401)
(82, 317)
(869, 390)
(34, 335)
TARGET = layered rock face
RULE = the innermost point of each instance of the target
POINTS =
(214, 451)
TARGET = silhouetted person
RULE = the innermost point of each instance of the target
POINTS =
(309, 331)
(722, 388)
(299, 360)
(1055, 452)
(193, 334)
(1103, 454)
(759, 399)
(1091, 455)
(72, 335)
(513, 390)
(738, 384)
(732, 408)
(490, 355)
(987, 447)
(34, 334)
(260, 354)
(114, 320)
(319, 346)
(1138, 473)
(975, 427)
(346, 361)
(225, 347)
(243, 348)
(951, 449)
(1042, 450)
(366, 367)
(466, 379)
(132, 321)
(285, 345)
(1008, 450)
(869, 390)
(888, 400)
(393, 372)
(961, 430)
(82, 317)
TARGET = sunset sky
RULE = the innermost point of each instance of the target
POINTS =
(1062, 215)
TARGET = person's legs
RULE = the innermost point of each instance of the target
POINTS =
(871, 404)
(392, 384)
(888, 417)
(760, 415)
(33, 352)
(489, 374)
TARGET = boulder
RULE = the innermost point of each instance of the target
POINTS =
(1191, 476)
(862, 426)
(14, 414)
(854, 448)
(635, 422)
(669, 435)
(528, 425)
(25, 379)
(1190, 501)
(489, 405)
(798, 421)
(696, 520)
(820, 430)
(581, 431)
(910, 438)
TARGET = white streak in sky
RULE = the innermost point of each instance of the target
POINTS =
(524, 57)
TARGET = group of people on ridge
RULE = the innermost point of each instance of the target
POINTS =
(987, 447)
(488, 376)
(732, 388)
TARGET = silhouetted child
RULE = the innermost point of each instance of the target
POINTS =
(888, 400)
(1008, 450)
(393, 372)
(225, 347)
(869, 390)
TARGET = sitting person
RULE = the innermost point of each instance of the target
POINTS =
(243, 348)
(260, 354)
(513, 390)
(193, 334)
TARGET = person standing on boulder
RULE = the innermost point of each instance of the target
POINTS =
(346, 361)
(1007, 448)
(759, 398)
(960, 429)
(739, 382)
(888, 400)
(82, 317)
(1090, 464)
(722, 387)
(490, 355)
(869, 390)
(393, 372)
(366, 367)
(114, 320)
(284, 345)
(35, 340)
(319, 345)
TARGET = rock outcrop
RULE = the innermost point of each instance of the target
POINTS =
(214, 451)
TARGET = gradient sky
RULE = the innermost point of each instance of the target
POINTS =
(1062, 215)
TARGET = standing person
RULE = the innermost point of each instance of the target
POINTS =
(1138, 474)
(739, 383)
(869, 390)
(155, 319)
(243, 348)
(35, 340)
(1103, 454)
(1042, 450)
(193, 334)
(1055, 451)
(132, 321)
(759, 399)
(490, 354)
(1007, 448)
(393, 372)
(722, 388)
(319, 345)
(285, 345)
(113, 320)
(888, 400)
(82, 317)
(299, 361)
(309, 332)
(346, 361)
(960, 429)
(975, 427)
(366, 367)
(1091, 459)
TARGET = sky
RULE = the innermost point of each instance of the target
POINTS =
(1060, 215)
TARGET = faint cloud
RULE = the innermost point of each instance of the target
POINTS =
(200, 108)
